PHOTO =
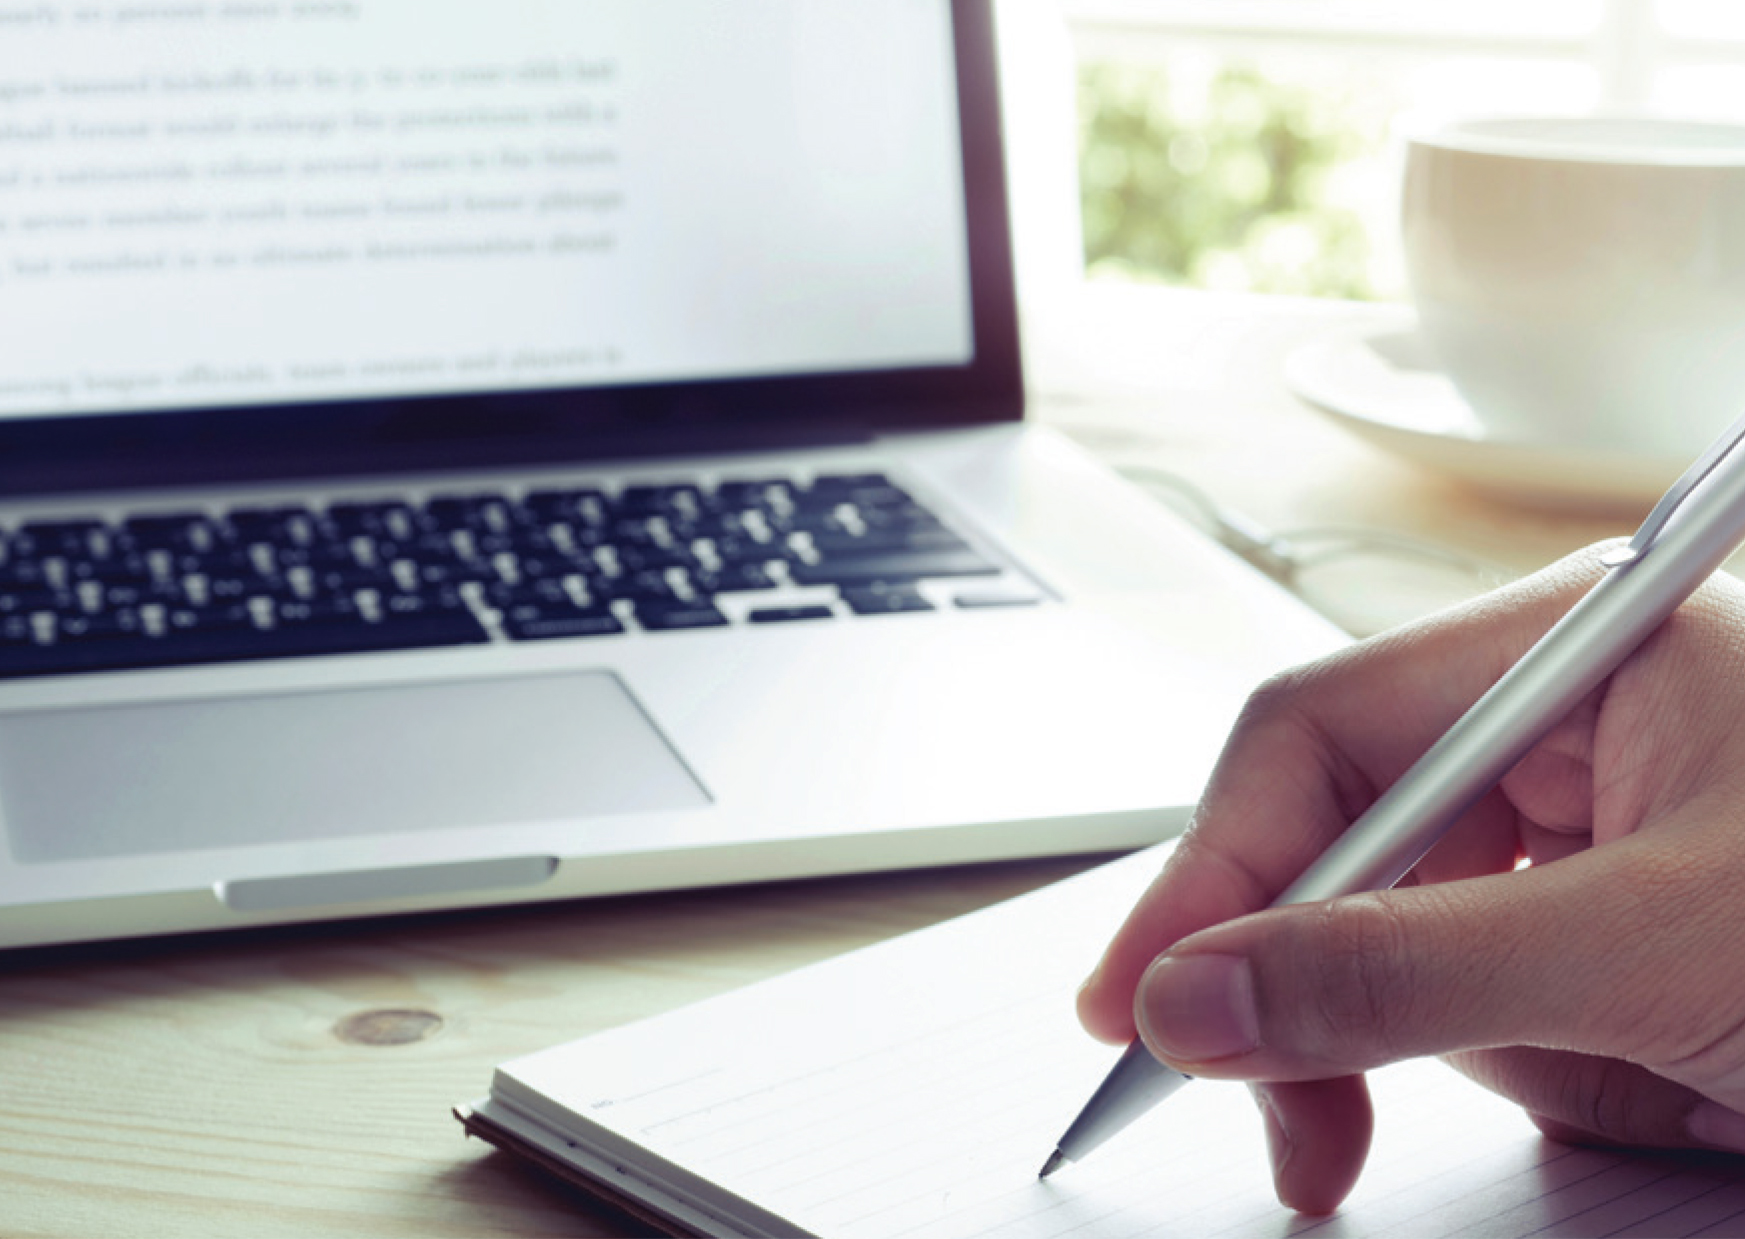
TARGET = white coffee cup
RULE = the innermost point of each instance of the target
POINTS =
(1582, 281)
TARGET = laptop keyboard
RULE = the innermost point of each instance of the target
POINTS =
(169, 589)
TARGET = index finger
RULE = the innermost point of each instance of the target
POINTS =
(1311, 751)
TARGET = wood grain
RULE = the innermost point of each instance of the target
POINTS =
(206, 1086)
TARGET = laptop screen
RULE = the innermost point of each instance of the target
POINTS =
(229, 220)
(238, 203)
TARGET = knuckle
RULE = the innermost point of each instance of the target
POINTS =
(1362, 986)
(1276, 698)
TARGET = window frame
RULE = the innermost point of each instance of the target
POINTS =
(1621, 39)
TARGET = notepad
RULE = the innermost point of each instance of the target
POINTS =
(914, 1088)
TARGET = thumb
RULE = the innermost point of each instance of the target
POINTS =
(1534, 958)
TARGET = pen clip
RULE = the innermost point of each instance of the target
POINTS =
(1669, 503)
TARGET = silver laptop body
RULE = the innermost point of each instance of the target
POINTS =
(344, 331)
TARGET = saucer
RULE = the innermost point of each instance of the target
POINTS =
(1379, 384)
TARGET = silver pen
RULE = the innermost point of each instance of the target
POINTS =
(1689, 534)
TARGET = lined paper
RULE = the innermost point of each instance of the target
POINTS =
(914, 1088)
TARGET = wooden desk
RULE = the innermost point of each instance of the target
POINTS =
(298, 1082)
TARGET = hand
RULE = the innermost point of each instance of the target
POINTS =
(1602, 987)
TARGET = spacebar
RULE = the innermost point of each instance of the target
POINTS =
(456, 627)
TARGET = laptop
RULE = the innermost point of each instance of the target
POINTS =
(486, 453)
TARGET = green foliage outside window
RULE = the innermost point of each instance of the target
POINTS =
(1231, 183)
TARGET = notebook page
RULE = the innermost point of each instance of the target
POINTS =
(914, 1089)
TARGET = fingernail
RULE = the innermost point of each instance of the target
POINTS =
(1197, 1008)
(1717, 1126)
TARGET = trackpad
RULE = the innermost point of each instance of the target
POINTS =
(222, 773)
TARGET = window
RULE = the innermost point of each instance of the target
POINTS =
(1247, 144)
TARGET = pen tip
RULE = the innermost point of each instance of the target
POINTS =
(1055, 1161)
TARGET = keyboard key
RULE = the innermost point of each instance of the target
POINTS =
(984, 599)
(744, 550)
(23, 599)
(655, 558)
(349, 578)
(179, 531)
(538, 567)
(436, 574)
(892, 566)
(538, 592)
(763, 493)
(190, 622)
(339, 610)
(413, 609)
(155, 569)
(530, 622)
(388, 520)
(120, 596)
(884, 599)
(733, 578)
(911, 516)
(108, 626)
(831, 544)
(656, 589)
(482, 513)
(860, 489)
(664, 616)
(584, 505)
(785, 615)
(644, 501)
(288, 525)
(73, 538)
